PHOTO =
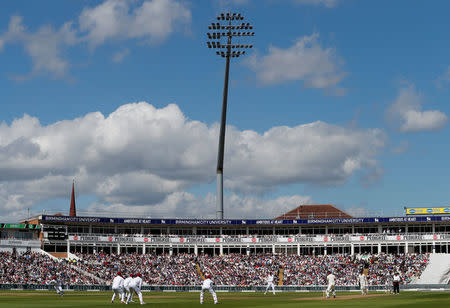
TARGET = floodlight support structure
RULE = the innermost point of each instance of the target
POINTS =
(223, 122)
(230, 30)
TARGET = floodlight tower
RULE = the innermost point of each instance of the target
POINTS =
(229, 26)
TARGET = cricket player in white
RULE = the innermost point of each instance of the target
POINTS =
(135, 286)
(388, 284)
(208, 286)
(331, 284)
(363, 283)
(126, 286)
(117, 287)
(270, 284)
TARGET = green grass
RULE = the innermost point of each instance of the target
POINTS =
(38, 299)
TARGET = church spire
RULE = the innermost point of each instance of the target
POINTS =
(73, 209)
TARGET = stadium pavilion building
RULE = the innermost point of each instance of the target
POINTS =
(306, 230)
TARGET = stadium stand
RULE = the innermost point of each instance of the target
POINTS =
(228, 270)
(37, 268)
(298, 248)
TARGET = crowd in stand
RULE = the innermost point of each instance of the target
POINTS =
(37, 268)
(410, 267)
(178, 269)
(231, 269)
(299, 270)
(309, 271)
(251, 270)
(239, 269)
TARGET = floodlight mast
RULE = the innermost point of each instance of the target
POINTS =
(233, 29)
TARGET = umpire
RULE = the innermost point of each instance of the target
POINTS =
(396, 283)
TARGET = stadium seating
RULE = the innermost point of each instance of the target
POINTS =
(231, 269)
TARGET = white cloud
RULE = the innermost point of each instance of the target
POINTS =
(358, 211)
(326, 3)
(152, 21)
(314, 153)
(401, 148)
(304, 61)
(407, 113)
(186, 205)
(140, 155)
(113, 20)
(442, 80)
(45, 46)
(120, 55)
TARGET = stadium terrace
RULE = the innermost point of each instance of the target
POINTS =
(236, 252)
(305, 230)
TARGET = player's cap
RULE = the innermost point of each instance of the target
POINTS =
(131, 275)
(208, 276)
(119, 274)
(138, 274)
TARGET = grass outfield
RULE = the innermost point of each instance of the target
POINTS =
(37, 299)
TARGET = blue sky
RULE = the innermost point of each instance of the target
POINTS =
(340, 101)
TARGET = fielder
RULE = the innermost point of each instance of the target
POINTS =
(57, 284)
(117, 287)
(388, 284)
(126, 286)
(270, 284)
(331, 284)
(135, 286)
(208, 285)
(363, 283)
